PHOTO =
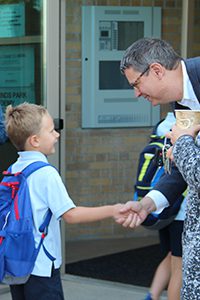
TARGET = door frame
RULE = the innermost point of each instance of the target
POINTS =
(54, 62)
(54, 70)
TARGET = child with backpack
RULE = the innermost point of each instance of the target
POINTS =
(31, 130)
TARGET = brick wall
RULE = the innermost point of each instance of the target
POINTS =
(101, 163)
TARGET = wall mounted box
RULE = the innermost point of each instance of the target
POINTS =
(107, 99)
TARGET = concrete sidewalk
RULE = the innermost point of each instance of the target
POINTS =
(82, 288)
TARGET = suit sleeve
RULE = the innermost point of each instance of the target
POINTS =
(171, 185)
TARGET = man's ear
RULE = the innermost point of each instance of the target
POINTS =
(33, 141)
(158, 70)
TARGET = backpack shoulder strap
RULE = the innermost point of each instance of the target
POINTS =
(27, 171)
(9, 169)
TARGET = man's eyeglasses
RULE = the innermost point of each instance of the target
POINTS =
(135, 83)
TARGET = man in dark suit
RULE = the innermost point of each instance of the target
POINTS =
(3, 136)
(160, 75)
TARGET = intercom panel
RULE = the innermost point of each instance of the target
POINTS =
(107, 98)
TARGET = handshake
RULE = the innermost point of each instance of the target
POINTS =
(133, 213)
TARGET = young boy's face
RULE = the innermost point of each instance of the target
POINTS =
(47, 136)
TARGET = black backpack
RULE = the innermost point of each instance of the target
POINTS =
(150, 169)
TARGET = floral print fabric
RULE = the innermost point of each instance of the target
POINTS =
(187, 158)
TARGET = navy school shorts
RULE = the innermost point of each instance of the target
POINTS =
(39, 288)
(171, 238)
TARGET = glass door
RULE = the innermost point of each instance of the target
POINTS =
(31, 67)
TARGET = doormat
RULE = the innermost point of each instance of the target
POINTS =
(135, 267)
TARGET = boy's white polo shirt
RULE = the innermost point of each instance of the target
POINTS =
(46, 191)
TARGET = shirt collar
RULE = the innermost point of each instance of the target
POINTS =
(31, 155)
(189, 98)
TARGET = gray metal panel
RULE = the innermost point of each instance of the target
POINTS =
(156, 24)
(106, 107)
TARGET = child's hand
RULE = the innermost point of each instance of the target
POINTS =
(117, 213)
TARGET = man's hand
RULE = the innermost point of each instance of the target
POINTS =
(129, 214)
(135, 214)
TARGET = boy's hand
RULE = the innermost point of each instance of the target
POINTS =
(117, 214)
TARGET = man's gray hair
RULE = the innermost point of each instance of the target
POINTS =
(146, 51)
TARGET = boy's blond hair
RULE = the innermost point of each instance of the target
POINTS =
(23, 121)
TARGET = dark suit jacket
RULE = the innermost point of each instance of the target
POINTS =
(173, 185)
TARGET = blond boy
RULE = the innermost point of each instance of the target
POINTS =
(31, 130)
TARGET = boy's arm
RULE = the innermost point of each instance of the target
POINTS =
(81, 214)
(62, 205)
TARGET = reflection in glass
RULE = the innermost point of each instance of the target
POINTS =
(129, 32)
(21, 52)
(110, 77)
(21, 59)
(118, 35)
